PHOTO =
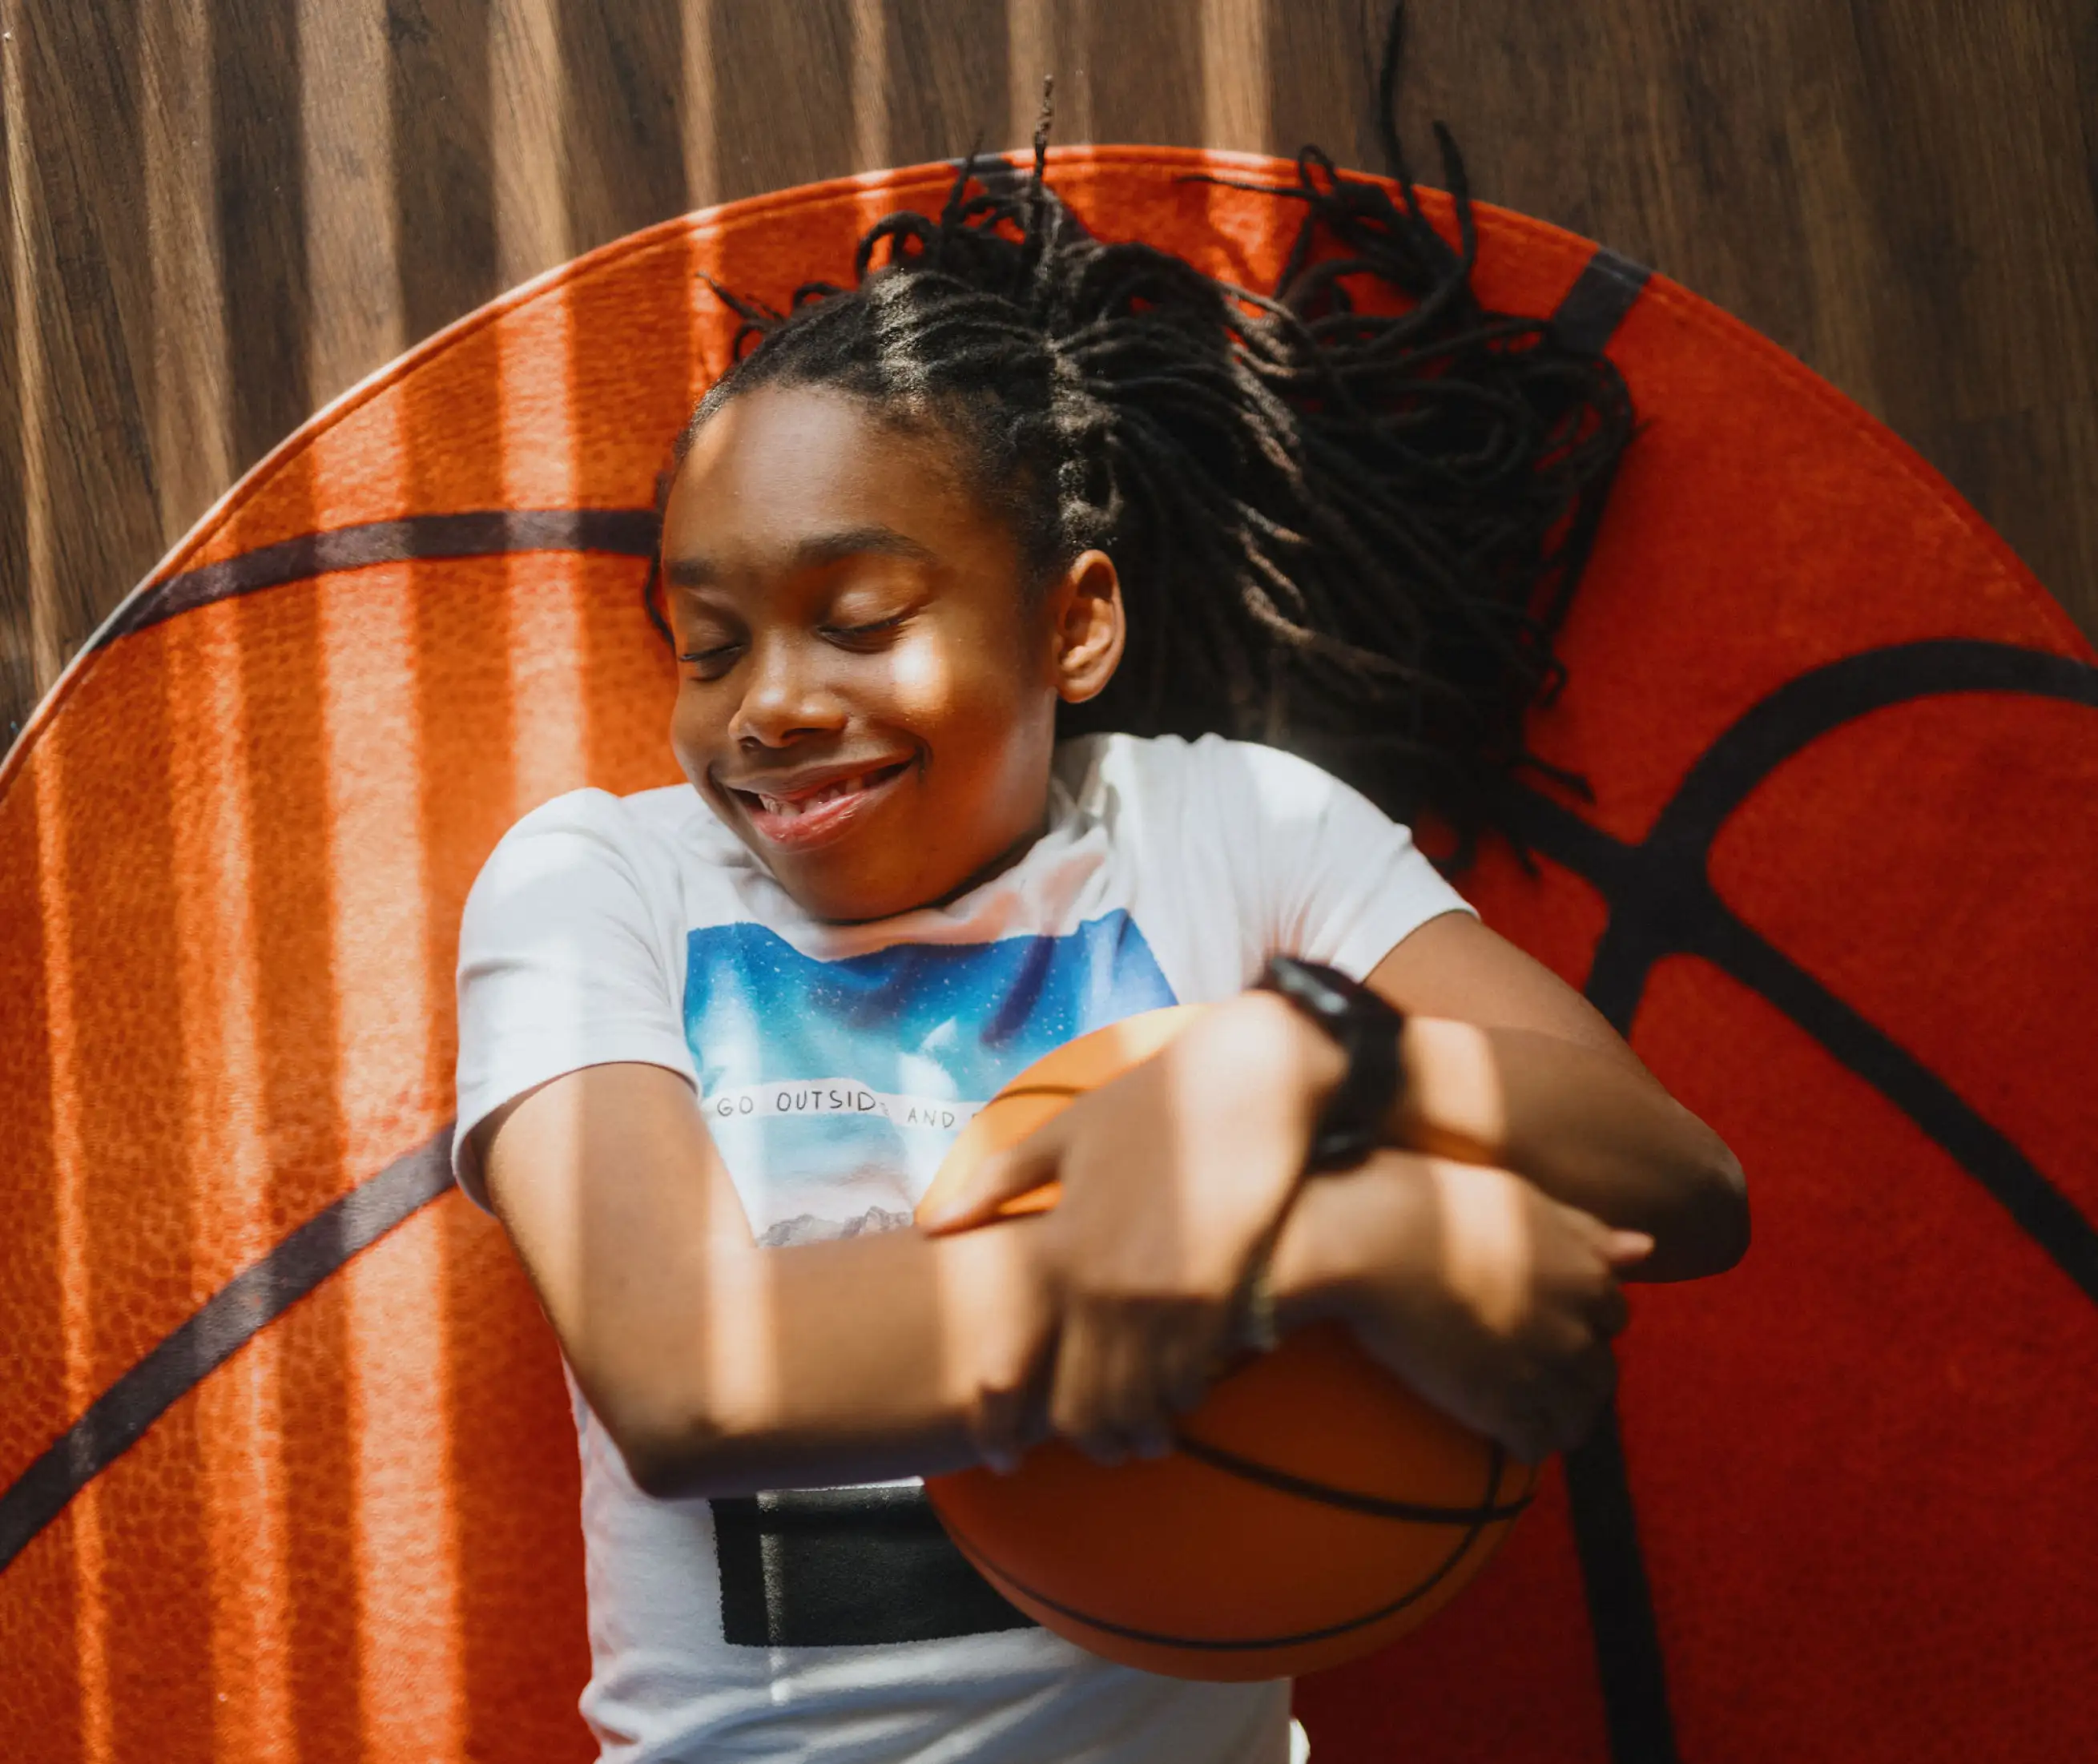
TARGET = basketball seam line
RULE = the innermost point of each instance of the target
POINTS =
(1496, 1459)
(1371, 1506)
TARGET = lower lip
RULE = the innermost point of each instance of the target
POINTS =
(798, 832)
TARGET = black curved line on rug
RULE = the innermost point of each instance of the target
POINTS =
(466, 533)
(1661, 902)
(1630, 1668)
(257, 1295)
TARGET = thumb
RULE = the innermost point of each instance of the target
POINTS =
(971, 1194)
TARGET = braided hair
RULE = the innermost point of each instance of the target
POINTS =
(1353, 534)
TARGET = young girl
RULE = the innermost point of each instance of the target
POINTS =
(1015, 485)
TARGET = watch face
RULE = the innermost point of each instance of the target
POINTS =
(1324, 991)
(1342, 989)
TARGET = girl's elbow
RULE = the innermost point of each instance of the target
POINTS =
(1722, 1212)
(664, 1468)
(669, 1439)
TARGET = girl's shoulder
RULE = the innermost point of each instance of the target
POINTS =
(649, 834)
(670, 814)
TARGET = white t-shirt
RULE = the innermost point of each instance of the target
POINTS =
(835, 1063)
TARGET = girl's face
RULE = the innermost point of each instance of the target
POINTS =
(866, 693)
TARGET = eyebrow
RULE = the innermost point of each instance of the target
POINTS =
(699, 570)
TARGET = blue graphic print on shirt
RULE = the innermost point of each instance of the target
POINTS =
(833, 1087)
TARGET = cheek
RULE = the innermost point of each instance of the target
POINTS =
(920, 677)
(973, 703)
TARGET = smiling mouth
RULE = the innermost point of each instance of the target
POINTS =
(806, 816)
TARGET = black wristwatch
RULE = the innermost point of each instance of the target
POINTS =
(1365, 1028)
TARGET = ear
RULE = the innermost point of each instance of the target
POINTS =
(1086, 631)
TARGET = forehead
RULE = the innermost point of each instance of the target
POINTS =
(779, 464)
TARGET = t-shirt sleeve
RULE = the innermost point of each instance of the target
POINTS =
(1325, 874)
(568, 958)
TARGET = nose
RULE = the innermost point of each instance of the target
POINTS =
(786, 695)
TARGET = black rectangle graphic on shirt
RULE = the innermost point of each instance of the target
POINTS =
(843, 1568)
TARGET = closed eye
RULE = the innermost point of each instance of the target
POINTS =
(719, 656)
(852, 634)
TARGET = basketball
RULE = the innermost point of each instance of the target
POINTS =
(1313, 1510)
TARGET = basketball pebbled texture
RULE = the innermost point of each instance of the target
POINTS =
(285, 1466)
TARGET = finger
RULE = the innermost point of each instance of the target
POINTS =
(998, 1419)
(1187, 1370)
(1610, 1312)
(1071, 1389)
(1133, 1407)
(1626, 1249)
(1576, 1399)
(964, 1197)
(1088, 1392)
(1526, 1432)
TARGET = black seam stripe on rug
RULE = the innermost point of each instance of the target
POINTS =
(232, 1316)
(471, 532)
(1620, 1598)
(1629, 1662)
(1661, 902)
(1606, 289)
(1982, 1150)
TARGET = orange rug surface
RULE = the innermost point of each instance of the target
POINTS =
(285, 1469)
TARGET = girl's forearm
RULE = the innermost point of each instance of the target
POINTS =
(720, 1367)
(1587, 1128)
(863, 1359)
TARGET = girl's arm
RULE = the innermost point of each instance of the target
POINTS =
(1506, 1064)
(1177, 1173)
(721, 1367)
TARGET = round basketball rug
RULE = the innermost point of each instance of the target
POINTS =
(285, 1464)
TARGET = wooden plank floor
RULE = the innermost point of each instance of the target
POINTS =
(221, 212)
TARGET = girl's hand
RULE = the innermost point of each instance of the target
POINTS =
(1493, 1301)
(1175, 1175)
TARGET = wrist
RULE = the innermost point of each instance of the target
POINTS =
(1315, 1265)
(1289, 1050)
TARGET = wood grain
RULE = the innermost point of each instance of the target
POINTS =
(221, 213)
